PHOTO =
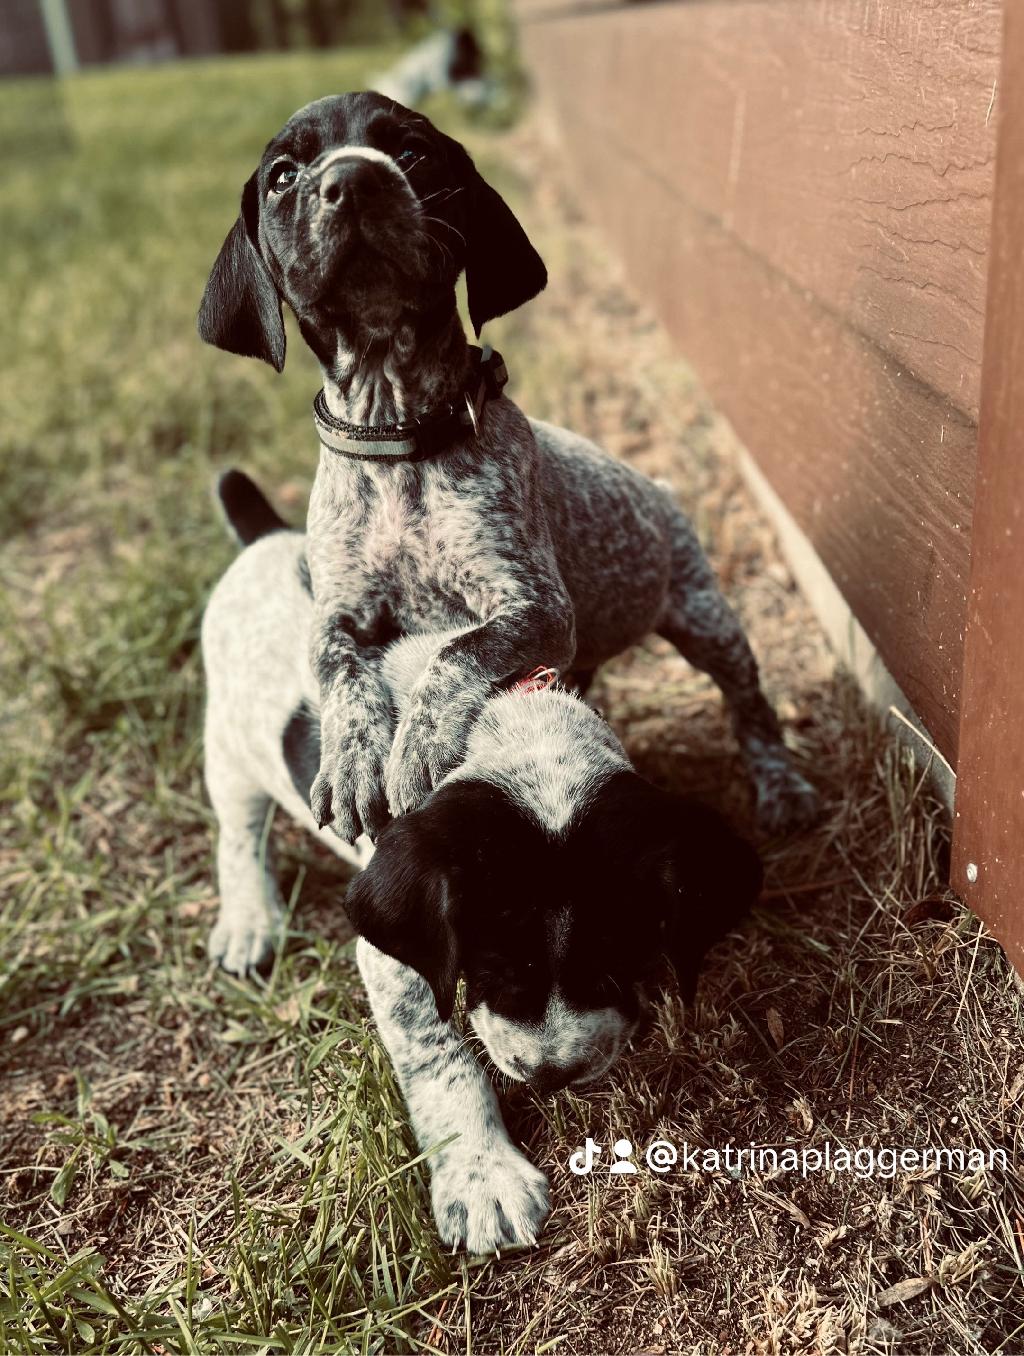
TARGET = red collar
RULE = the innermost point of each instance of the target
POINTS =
(536, 681)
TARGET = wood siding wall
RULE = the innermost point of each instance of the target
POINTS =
(988, 840)
(803, 190)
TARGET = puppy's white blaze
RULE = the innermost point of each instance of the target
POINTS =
(324, 161)
(561, 925)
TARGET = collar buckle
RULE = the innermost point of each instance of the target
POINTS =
(474, 419)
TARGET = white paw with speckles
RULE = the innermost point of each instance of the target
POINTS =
(486, 1198)
(242, 942)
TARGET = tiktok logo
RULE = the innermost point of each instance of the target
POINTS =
(582, 1161)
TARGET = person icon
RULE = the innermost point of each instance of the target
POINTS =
(623, 1151)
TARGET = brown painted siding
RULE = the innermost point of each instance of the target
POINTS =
(989, 831)
(803, 190)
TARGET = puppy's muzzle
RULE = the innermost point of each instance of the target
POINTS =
(344, 182)
(350, 184)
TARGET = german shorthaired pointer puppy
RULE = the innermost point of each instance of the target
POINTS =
(437, 504)
(542, 868)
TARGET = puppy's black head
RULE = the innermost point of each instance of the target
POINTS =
(361, 211)
(555, 933)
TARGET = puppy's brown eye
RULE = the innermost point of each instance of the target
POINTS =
(282, 176)
(409, 156)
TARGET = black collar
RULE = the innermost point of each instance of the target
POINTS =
(427, 436)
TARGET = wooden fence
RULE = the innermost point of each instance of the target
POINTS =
(804, 189)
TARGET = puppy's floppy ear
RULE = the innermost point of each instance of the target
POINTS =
(241, 310)
(503, 270)
(404, 904)
(693, 877)
(713, 877)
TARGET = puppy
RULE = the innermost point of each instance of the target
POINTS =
(542, 868)
(437, 505)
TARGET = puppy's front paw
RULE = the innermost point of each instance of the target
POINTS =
(406, 774)
(786, 801)
(348, 793)
(488, 1197)
(355, 736)
(429, 742)
(244, 942)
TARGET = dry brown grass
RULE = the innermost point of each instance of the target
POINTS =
(863, 1005)
(194, 1164)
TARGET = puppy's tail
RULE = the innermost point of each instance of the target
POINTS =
(249, 512)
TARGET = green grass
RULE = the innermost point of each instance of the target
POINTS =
(190, 1164)
(116, 420)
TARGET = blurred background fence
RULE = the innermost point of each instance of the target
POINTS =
(42, 41)
(56, 37)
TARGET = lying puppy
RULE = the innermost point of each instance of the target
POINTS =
(437, 504)
(542, 868)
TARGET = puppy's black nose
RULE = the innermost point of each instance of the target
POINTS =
(548, 1078)
(348, 181)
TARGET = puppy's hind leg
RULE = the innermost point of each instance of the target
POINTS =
(706, 632)
(251, 909)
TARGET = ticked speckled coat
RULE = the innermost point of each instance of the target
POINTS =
(542, 549)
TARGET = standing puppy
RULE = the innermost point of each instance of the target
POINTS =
(543, 869)
(437, 504)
